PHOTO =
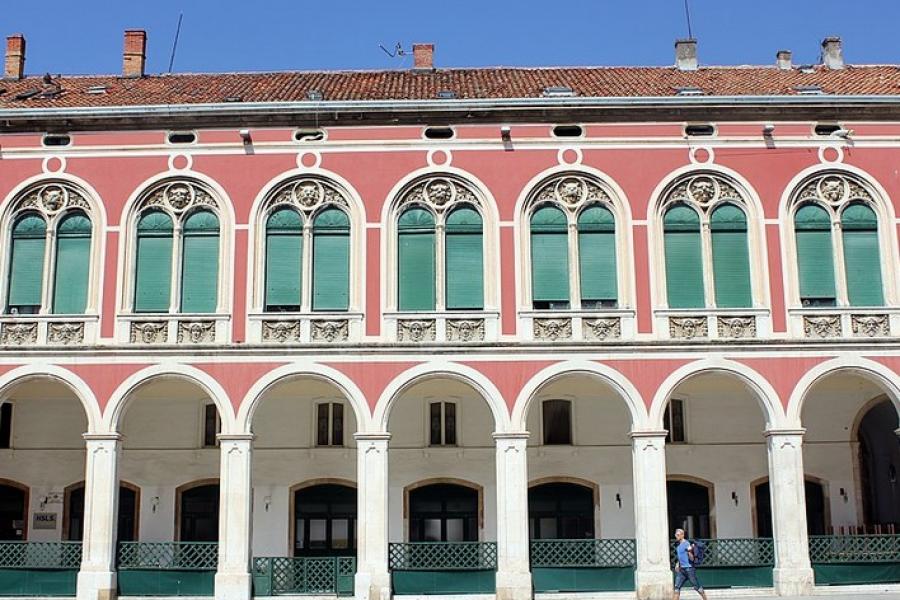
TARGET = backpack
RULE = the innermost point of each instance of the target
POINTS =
(698, 548)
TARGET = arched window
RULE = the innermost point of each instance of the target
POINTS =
(13, 512)
(597, 258)
(549, 259)
(199, 513)
(153, 259)
(331, 260)
(443, 513)
(284, 259)
(862, 262)
(200, 263)
(73, 261)
(689, 508)
(561, 511)
(26, 278)
(325, 520)
(684, 260)
(815, 256)
(416, 260)
(730, 252)
(465, 260)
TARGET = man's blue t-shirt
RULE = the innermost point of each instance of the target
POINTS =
(682, 551)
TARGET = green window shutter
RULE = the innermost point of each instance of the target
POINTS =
(416, 268)
(862, 260)
(549, 256)
(684, 259)
(26, 266)
(153, 273)
(815, 256)
(331, 261)
(73, 263)
(284, 251)
(731, 257)
(200, 263)
(465, 260)
(597, 257)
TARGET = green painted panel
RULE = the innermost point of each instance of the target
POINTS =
(200, 263)
(862, 260)
(38, 582)
(684, 262)
(815, 256)
(856, 574)
(73, 261)
(416, 258)
(155, 582)
(589, 579)
(733, 577)
(283, 256)
(331, 261)
(549, 256)
(443, 582)
(465, 260)
(26, 262)
(153, 273)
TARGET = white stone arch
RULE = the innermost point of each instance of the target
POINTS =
(95, 210)
(879, 201)
(766, 396)
(484, 204)
(877, 373)
(81, 390)
(355, 210)
(437, 370)
(756, 234)
(607, 376)
(618, 204)
(120, 398)
(223, 209)
(297, 370)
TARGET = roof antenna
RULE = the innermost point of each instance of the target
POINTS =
(175, 43)
(398, 50)
(687, 15)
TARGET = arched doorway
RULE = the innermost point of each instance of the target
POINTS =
(325, 520)
(198, 512)
(690, 508)
(73, 521)
(443, 512)
(816, 508)
(560, 510)
(879, 468)
(13, 503)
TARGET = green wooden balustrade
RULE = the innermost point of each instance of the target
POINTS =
(583, 565)
(167, 568)
(39, 568)
(443, 567)
(855, 559)
(304, 575)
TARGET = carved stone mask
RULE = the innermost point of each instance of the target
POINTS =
(179, 196)
(439, 192)
(53, 199)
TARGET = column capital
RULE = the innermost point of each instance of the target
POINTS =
(103, 437)
(655, 433)
(785, 432)
(510, 435)
(235, 437)
(365, 436)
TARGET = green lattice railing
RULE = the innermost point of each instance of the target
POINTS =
(40, 555)
(837, 549)
(443, 556)
(183, 556)
(307, 575)
(737, 552)
(583, 553)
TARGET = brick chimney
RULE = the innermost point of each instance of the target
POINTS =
(832, 53)
(783, 59)
(686, 54)
(15, 57)
(423, 57)
(134, 56)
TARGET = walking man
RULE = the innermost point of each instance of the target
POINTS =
(684, 566)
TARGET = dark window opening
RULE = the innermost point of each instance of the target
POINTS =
(439, 133)
(826, 129)
(200, 514)
(557, 416)
(127, 515)
(212, 425)
(443, 513)
(12, 513)
(551, 305)
(560, 511)
(309, 135)
(6, 425)
(442, 424)
(815, 509)
(325, 521)
(673, 421)
(182, 137)
(700, 130)
(597, 304)
(330, 424)
(688, 509)
(57, 139)
(568, 131)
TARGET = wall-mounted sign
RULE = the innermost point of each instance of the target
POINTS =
(45, 520)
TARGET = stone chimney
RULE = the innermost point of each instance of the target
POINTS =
(832, 53)
(783, 60)
(423, 57)
(686, 54)
(15, 57)
(134, 56)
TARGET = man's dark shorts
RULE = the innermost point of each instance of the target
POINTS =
(687, 574)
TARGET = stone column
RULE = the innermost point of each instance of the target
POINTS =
(793, 574)
(97, 577)
(233, 575)
(373, 581)
(653, 576)
(513, 567)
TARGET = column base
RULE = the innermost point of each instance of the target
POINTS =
(233, 586)
(653, 585)
(513, 586)
(793, 582)
(96, 585)
(372, 586)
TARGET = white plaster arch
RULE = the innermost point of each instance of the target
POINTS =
(766, 396)
(76, 384)
(607, 375)
(118, 402)
(868, 369)
(436, 370)
(302, 369)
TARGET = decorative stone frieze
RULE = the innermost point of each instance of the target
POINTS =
(870, 325)
(416, 330)
(688, 328)
(465, 330)
(833, 189)
(178, 196)
(52, 198)
(281, 332)
(824, 326)
(552, 329)
(603, 328)
(196, 332)
(307, 194)
(65, 333)
(736, 327)
(19, 334)
(439, 193)
(571, 191)
(703, 190)
(329, 331)
(149, 332)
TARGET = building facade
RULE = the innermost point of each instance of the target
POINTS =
(448, 331)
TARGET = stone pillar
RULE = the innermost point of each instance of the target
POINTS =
(373, 581)
(513, 568)
(97, 577)
(233, 575)
(653, 576)
(793, 574)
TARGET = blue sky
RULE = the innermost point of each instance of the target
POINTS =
(85, 36)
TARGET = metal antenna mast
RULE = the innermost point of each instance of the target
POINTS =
(687, 15)
(175, 43)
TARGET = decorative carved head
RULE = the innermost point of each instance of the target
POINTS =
(703, 190)
(571, 191)
(179, 196)
(308, 194)
(832, 189)
(53, 198)
(439, 191)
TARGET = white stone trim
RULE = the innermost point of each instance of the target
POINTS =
(39, 370)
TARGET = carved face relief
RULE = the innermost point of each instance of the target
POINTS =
(832, 189)
(570, 191)
(703, 190)
(308, 194)
(53, 198)
(439, 191)
(179, 196)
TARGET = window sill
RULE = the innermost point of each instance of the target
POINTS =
(831, 322)
(285, 328)
(172, 329)
(50, 330)
(464, 326)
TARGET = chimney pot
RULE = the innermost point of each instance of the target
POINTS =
(135, 54)
(783, 60)
(423, 57)
(832, 53)
(15, 57)
(686, 54)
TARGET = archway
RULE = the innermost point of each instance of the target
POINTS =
(690, 507)
(879, 467)
(197, 512)
(128, 518)
(324, 522)
(561, 510)
(817, 517)
(443, 512)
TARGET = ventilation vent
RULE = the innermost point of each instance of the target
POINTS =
(700, 130)
(558, 91)
(568, 131)
(234, 98)
(688, 91)
(439, 133)
(182, 137)
(309, 135)
(315, 95)
(808, 90)
(57, 139)
(446, 95)
(96, 90)
(826, 129)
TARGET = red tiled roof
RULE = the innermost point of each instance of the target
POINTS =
(488, 83)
